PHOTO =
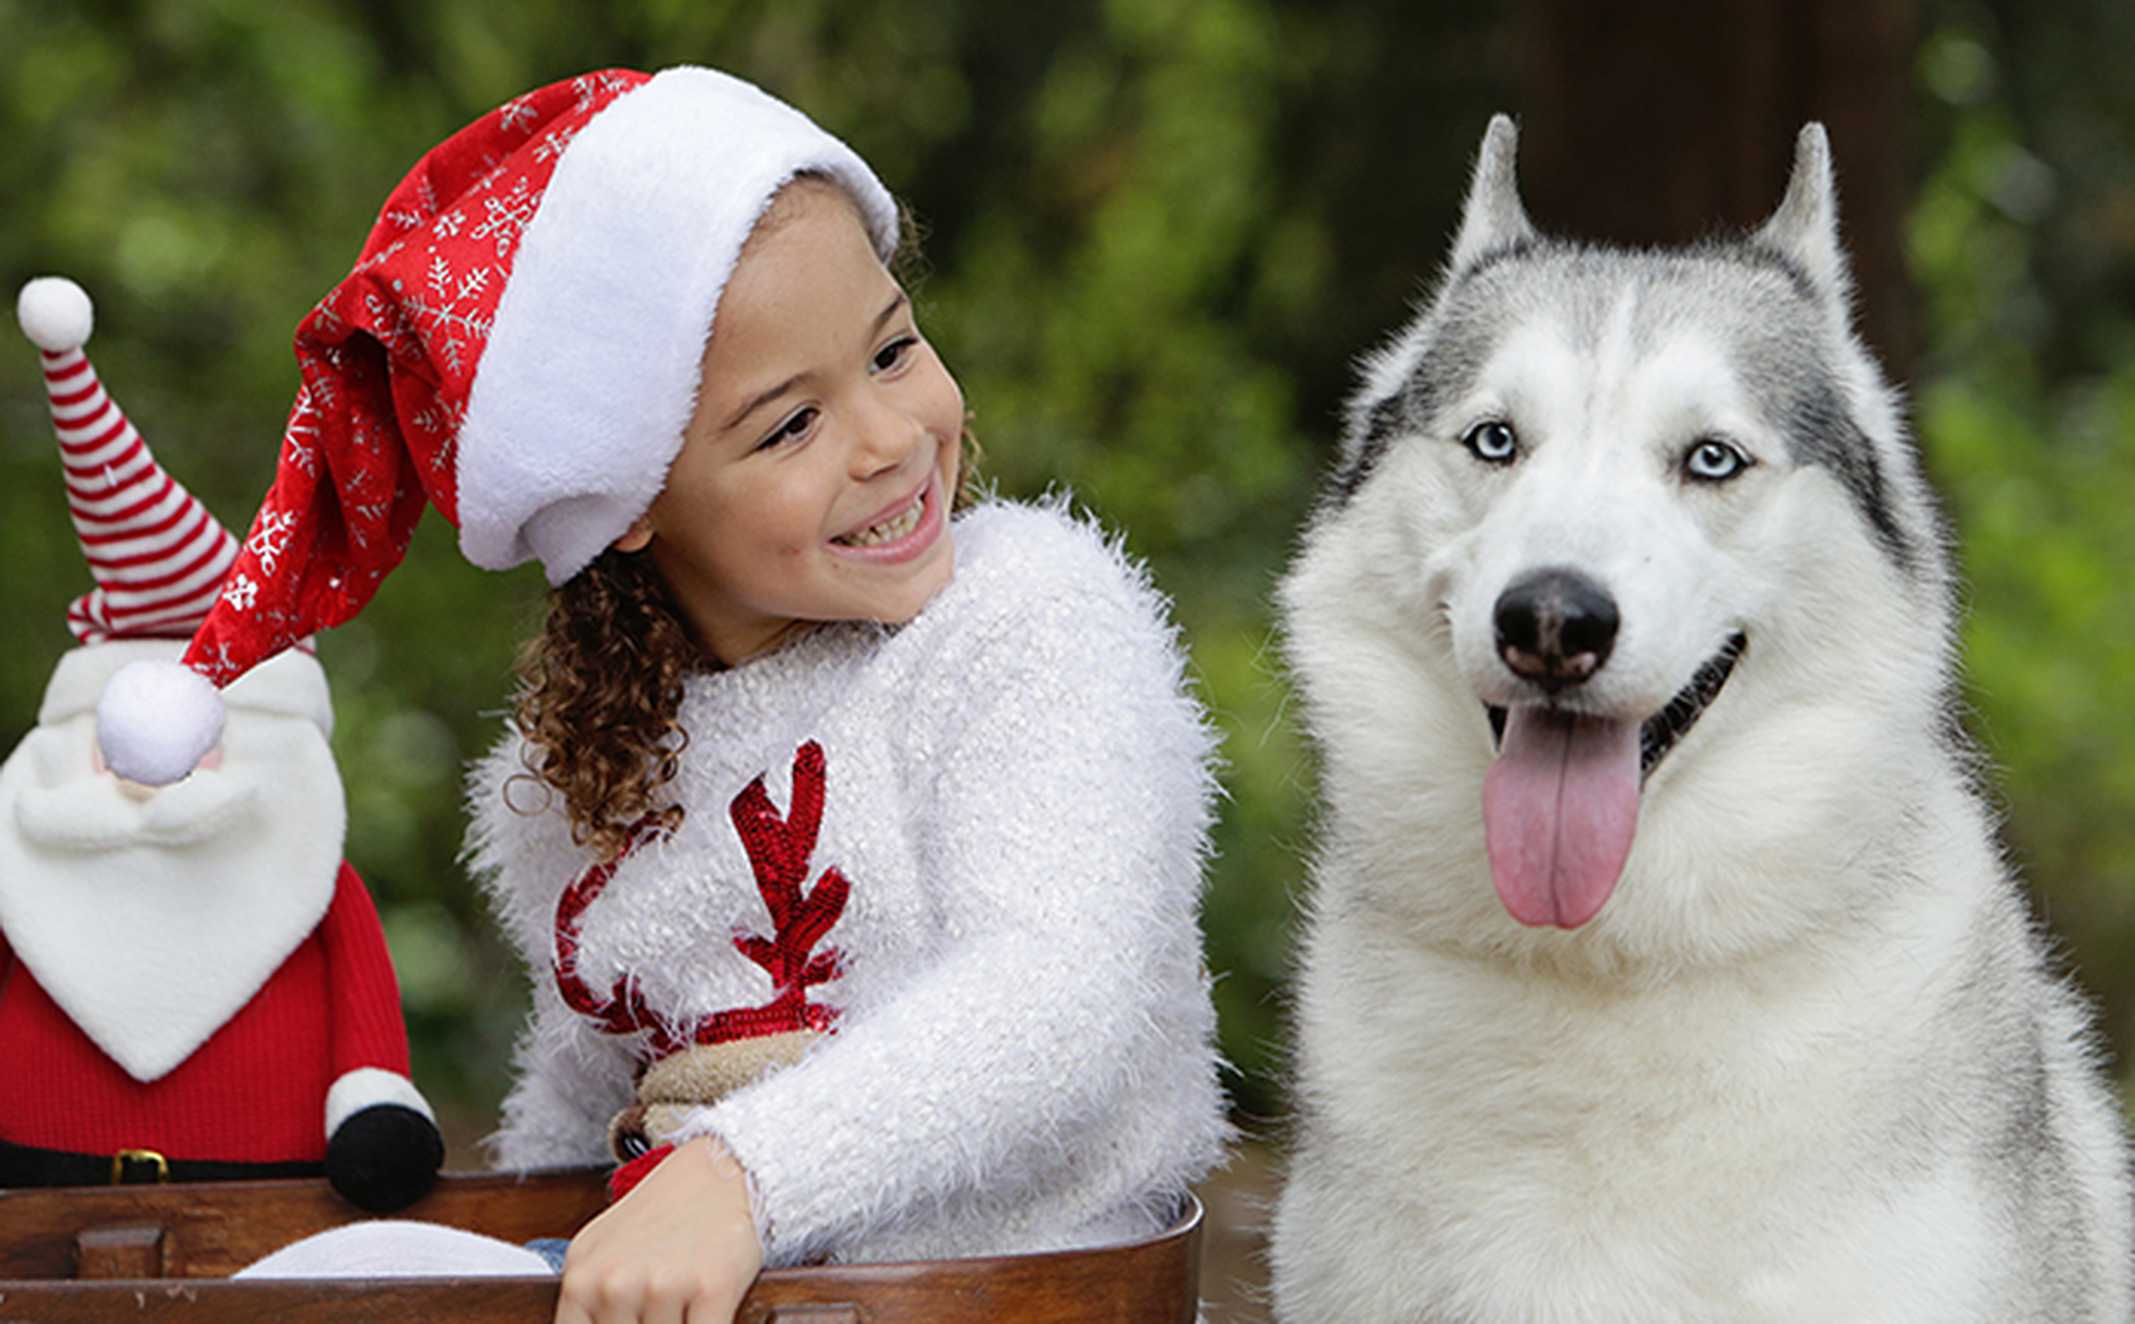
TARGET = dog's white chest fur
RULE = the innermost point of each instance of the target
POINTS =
(1537, 1149)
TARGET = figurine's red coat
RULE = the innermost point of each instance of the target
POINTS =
(253, 1092)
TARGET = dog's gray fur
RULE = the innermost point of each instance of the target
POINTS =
(1810, 1060)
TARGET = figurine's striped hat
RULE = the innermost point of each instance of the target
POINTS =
(157, 555)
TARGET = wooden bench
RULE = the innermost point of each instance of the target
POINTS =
(162, 1253)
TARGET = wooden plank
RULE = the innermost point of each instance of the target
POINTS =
(134, 1251)
(1149, 1282)
(199, 1301)
(213, 1229)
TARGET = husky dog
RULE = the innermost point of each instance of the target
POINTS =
(1661, 962)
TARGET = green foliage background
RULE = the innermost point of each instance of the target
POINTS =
(1158, 232)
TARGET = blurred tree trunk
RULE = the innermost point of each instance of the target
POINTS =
(1644, 121)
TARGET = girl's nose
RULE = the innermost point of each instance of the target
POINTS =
(887, 436)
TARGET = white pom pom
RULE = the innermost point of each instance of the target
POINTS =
(55, 313)
(156, 720)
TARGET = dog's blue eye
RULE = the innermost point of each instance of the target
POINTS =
(1492, 442)
(1713, 461)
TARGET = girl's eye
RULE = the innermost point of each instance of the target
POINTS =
(894, 353)
(1492, 441)
(793, 428)
(1713, 461)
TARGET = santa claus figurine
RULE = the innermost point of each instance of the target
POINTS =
(193, 983)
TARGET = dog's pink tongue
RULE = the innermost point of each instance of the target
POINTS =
(1560, 806)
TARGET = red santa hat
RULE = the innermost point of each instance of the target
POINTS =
(519, 346)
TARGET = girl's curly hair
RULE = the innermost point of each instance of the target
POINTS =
(599, 690)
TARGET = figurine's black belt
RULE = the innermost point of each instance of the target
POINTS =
(26, 1165)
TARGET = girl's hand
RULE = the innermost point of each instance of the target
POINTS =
(681, 1246)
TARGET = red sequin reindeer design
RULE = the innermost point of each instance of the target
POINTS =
(692, 1065)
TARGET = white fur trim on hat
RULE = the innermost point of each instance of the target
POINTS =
(591, 370)
(55, 314)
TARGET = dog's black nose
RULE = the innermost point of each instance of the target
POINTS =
(1555, 627)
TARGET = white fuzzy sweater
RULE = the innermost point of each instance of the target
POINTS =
(1018, 790)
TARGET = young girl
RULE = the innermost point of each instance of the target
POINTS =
(854, 850)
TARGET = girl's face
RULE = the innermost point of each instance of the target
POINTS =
(815, 477)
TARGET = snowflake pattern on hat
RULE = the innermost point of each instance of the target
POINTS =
(387, 359)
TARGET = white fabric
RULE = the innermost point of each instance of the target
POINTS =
(397, 1248)
(157, 720)
(55, 313)
(1019, 792)
(591, 369)
(152, 918)
(353, 1091)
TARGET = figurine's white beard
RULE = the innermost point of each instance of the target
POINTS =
(152, 920)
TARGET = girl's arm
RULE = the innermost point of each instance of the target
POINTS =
(1059, 1051)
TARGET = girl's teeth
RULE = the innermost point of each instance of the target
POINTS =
(891, 529)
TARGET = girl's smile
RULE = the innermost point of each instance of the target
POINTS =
(907, 529)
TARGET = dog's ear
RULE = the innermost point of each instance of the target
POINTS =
(1805, 228)
(1493, 217)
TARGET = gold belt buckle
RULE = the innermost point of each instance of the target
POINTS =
(125, 1156)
